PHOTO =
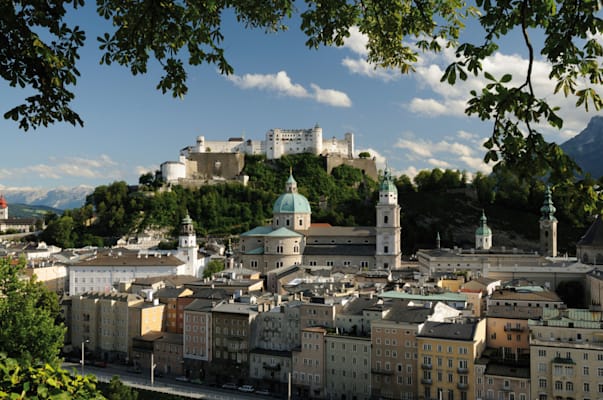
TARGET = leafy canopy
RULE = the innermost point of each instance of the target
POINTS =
(43, 381)
(30, 331)
(177, 33)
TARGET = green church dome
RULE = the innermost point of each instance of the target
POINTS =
(387, 183)
(291, 203)
(483, 229)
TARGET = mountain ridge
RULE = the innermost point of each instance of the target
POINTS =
(587, 146)
(61, 198)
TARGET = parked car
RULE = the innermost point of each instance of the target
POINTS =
(229, 385)
(246, 388)
(265, 392)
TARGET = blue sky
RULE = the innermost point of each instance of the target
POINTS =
(411, 122)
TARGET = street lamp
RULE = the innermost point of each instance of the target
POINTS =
(82, 360)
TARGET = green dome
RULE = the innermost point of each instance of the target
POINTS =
(291, 203)
(483, 229)
(387, 183)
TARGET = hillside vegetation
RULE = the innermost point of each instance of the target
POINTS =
(434, 201)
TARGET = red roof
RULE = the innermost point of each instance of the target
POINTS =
(3, 203)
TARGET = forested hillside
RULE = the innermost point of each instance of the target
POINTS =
(433, 202)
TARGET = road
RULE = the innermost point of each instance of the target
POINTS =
(165, 385)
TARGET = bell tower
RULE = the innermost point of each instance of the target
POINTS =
(548, 226)
(389, 243)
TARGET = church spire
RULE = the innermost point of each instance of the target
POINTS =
(547, 211)
(291, 185)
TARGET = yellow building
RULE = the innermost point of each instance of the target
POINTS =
(446, 356)
(110, 321)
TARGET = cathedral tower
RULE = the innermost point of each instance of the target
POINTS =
(389, 244)
(548, 226)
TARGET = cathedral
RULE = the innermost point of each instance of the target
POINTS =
(293, 239)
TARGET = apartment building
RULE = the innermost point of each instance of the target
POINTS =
(347, 367)
(319, 311)
(497, 380)
(446, 355)
(173, 315)
(566, 354)
(394, 351)
(197, 337)
(110, 321)
(233, 325)
(308, 364)
(508, 313)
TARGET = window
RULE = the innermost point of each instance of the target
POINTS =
(542, 383)
(541, 353)
(585, 371)
(569, 386)
(586, 387)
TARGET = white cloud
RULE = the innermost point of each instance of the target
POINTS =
(467, 135)
(444, 154)
(439, 163)
(78, 167)
(411, 172)
(356, 42)
(451, 99)
(331, 97)
(476, 164)
(360, 66)
(419, 148)
(281, 84)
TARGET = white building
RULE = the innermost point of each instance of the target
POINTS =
(104, 271)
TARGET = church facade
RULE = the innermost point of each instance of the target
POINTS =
(293, 239)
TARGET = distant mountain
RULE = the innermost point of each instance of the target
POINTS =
(586, 148)
(60, 198)
(17, 210)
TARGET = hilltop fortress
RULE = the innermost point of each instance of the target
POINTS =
(210, 161)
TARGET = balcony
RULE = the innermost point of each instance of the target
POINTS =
(427, 366)
(462, 370)
(509, 328)
(563, 360)
(462, 386)
(506, 388)
(270, 367)
(381, 371)
(426, 381)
